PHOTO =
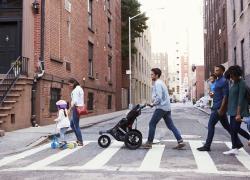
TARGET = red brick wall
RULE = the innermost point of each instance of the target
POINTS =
(200, 78)
(62, 46)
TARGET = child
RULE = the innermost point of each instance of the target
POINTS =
(212, 82)
(62, 120)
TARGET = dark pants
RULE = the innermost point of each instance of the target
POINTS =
(235, 129)
(213, 120)
(166, 115)
(74, 124)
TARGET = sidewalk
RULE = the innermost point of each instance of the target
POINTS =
(20, 140)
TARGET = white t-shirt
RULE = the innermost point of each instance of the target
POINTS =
(62, 120)
(77, 96)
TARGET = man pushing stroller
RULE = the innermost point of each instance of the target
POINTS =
(161, 100)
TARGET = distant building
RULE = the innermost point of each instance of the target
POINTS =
(160, 60)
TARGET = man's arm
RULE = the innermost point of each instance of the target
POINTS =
(158, 94)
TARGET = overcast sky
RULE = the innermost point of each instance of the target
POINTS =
(180, 20)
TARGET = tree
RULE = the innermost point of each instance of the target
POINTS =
(131, 8)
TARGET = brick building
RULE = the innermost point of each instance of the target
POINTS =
(198, 82)
(61, 39)
(238, 16)
(215, 34)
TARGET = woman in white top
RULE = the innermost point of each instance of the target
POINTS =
(77, 99)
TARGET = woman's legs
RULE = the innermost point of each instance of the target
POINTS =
(235, 128)
(75, 124)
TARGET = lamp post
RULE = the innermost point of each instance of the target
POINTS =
(130, 64)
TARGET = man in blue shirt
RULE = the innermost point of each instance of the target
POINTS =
(219, 108)
(161, 100)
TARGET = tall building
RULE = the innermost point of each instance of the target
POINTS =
(57, 40)
(141, 81)
(184, 77)
(238, 17)
(215, 34)
(160, 60)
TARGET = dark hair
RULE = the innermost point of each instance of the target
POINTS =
(235, 71)
(74, 82)
(221, 67)
(156, 71)
(214, 76)
(227, 74)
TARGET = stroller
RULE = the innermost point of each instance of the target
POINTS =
(123, 131)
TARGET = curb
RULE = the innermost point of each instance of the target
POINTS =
(202, 110)
(49, 136)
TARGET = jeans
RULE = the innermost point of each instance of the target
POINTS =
(213, 120)
(62, 133)
(74, 124)
(235, 129)
(166, 115)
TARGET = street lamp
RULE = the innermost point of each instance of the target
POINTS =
(130, 69)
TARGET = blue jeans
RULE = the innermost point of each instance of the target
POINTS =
(213, 120)
(74, 124)
(62, 133)
(166, 115)
(235, 129)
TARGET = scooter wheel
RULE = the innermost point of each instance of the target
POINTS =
(104, 141)
(133, 140)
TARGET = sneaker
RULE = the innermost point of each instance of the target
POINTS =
(231, 152)
(203, 148)
(180, 145)
(79, 143)
(147, 145)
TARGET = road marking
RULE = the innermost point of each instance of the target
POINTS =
(10, 159)
(203, 159)
(243, 156)
(152, 160)
(101, 159)
(53, 158)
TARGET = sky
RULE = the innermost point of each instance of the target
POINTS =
(180, 21)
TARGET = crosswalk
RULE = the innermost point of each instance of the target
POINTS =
(161, 158)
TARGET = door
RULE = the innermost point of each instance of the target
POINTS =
(9, 45)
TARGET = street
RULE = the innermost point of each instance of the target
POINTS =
(117, 162)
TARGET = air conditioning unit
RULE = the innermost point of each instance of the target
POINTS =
(67, 6)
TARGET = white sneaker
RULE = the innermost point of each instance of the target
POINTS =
(232, 152)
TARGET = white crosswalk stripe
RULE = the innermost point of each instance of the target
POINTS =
(203, 160)
(150, 162)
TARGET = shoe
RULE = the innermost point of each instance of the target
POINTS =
(231, 152)
(147, 145)
(248, 143)
(180, 145)
(203, 148)
(79, 143)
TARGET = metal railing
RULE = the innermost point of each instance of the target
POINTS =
(18, 67)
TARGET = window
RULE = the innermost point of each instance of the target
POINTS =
(90, 103)
(235, 56)
(109, 32)
(108, 5)
(55, 95)
(109, 68)
(224, 52)
(241, 5)
(68, 66)
(234, 11)
(249, 39)
(90, 12)
(224, 16)
(242, 56)
(109, 101)
(91, 51)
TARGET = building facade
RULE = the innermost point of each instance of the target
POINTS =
(239, 35)
(185, 85)
(63, 39)
(160, 60)
(198, 82)
(215, 34)
(140, 65)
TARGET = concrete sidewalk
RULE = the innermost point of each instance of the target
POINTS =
(20, 140)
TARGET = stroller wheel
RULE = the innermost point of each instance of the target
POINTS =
(104, 141)
(133, 140)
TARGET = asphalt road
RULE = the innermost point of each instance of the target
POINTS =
(117, 162)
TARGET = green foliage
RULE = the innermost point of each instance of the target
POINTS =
(131, 8)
